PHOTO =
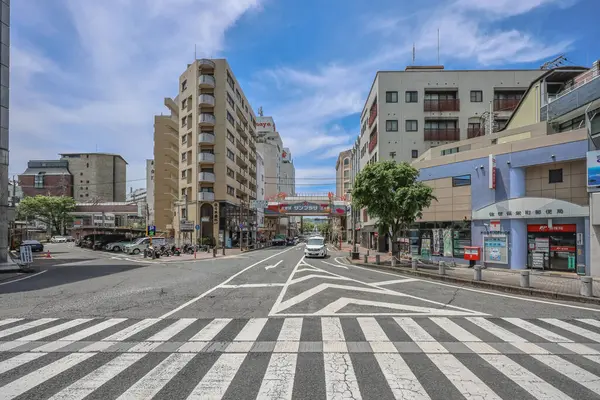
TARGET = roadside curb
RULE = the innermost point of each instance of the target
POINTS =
(486, 285)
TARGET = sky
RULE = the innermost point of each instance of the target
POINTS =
(90, 75)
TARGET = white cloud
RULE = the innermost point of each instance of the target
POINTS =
(127, 58)
(469, 32)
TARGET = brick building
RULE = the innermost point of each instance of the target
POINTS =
(47, 177)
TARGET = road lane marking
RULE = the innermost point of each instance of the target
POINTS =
(395, 281)
(455, 330)
(331, 330)
(528, 299)
(573, 329)
(273, 266)
(55, 329)
(252, 285)
(334, 265)
(17, 361)
(278, 381)
(251, 330)
(291, 330)
(467, 383)
(226, 281)
(216, 381)
(131, 330)
(171, 330)
(211, 330)
(402, 381)
(340, 379)
(23, 278)
(538, 330)
(94, 329)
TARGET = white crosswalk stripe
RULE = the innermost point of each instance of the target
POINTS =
(56, 359)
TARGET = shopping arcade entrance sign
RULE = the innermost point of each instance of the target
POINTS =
(529, 208)
(307, 206)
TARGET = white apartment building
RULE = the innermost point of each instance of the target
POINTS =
(288, 173)
(260, 188)
(408, 112)
(270, 145)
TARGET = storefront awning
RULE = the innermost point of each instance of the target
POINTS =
(531, 207)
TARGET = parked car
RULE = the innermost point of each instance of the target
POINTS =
(118, 246)
(140, 244)
(70, 238)
(58, 239)
(34, 244)
(279, 240)
(101, 242)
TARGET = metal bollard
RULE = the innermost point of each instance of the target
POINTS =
(393, 261)
(477, 273)
(586, 286)
(367, 252)
(214, 252)
(366, 259)
(377, 259)
(223, 250)
(414, 264)
(525, 278)
(442, 268)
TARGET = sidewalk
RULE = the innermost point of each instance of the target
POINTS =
(557, 285)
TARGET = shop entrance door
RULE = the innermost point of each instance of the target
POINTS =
(560, 252)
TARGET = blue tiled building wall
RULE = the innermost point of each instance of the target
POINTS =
(482, 196)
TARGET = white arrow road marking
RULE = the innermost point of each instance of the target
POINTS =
(273, 266)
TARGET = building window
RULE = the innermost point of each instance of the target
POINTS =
(183, 122)
(183, 156)
(230, 173)
(462, 180)
(412, 96)
(391, 125)
(450, 151)
(412, 125)
(184, 174)
(230, 118)
(555, 176)
(476, 96)
(230, 80)
(230, 190)
(346, 161)
(230, 137)
(230, 155)
(391, 97)
(38, 181)
(230, 100)
(415, 154)
(184, 85)
(184, 139)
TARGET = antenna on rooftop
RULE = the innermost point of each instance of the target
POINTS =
(438, 54)
(260, 111)
(555, 62)
(413, 54)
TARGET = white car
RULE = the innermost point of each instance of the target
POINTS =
(315, 247)
(58, 239)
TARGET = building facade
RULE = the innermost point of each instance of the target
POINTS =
(343, 172)
(150, 191)
(288, 173)
(47, 178)
(166, 171)
(520, 195)
(97, 177)
(270, 146)
(409, 112)
(260, 189)
(4, 84)
(217, 154)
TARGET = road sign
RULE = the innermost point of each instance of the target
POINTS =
(205, 219)
(197, 227)
(26, 255)
(151, 230)
(259, 204)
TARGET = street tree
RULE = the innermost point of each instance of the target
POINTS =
(54, 211)
(391, 193)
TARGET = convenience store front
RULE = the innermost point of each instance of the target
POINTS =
(532, 232)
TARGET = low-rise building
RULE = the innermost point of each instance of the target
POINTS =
(47, 178)
(97, 177)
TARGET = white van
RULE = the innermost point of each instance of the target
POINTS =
(315, 247)
(140, 244)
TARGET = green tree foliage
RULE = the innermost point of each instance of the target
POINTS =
(391, 193)
(308, 226)
(54, 211)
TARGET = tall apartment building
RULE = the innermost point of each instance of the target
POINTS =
(260, 188)
(408, 112)
(166, 166)
(150, 190)
(217, 167)
(270, 146)
(4, 79)
(97, 177)
(288, 173)
(343, 170)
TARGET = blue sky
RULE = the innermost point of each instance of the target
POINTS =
(90, 75)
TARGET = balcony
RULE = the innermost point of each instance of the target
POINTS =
(207, 158)
(242, 145)
(206, 138)
(206, 100)
(584, 90)
(205, 63)
(206, 177)
(441, 105)
(440, 135)
(475, 132)
(206, 81)
(206, 119)
(508, 105)
(240, 114)
(206, 196)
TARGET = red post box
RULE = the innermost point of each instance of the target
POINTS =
(472, 253)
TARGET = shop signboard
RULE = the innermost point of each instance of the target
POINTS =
(537, 260)
(448, 244)
(437, 242)
(542, 245)
(492, 171)
(495, 249)
(495, 225)
(567, 228)
(530, 207)
(593, 170)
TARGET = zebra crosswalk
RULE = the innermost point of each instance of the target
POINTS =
(300, 358)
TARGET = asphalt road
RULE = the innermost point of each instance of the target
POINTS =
(272, 325)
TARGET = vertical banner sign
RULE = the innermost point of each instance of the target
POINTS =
(492, 171)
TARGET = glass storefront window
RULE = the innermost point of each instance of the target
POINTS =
(447, 238)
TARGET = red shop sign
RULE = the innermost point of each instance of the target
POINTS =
(571, 228)
(570, 249)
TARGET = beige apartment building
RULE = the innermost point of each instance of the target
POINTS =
(217, 153)
(97, 177)
(166, 166)
(343, 167)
